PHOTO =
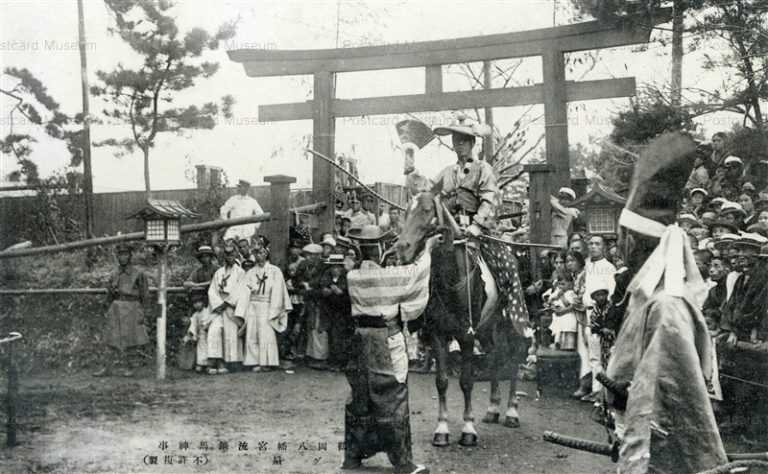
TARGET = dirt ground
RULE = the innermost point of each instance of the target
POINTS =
(292, 423)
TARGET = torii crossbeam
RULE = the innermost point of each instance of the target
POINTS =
(555, 92)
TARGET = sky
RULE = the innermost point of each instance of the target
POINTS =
(41, 35)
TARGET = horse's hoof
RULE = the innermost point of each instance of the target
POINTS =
(440, 440)
(468, 439)
(510, 422)
(491, 418)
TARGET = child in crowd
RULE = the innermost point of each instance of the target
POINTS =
(291, 343)
(561, 301)
(599, 324)
(198, 328)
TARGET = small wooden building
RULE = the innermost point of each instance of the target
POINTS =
(600, 209)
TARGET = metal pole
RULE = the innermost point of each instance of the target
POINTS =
(161, 320)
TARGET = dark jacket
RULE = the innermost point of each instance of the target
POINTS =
(746, 308)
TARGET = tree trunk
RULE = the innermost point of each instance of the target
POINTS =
(147, 187)
(678, 11)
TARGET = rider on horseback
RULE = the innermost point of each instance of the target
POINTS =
(470, 193)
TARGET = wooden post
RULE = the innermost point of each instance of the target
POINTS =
(280, 188)
(433, 79)
(161, 320)
(87, 173)
(540, 220)
(556, 116)
(323, 133)
(13, 388)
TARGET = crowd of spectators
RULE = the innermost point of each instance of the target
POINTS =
(725, 216)
(318, 326)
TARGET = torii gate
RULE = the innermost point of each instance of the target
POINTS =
(555, 92)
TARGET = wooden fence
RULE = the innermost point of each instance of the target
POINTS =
(17, 214)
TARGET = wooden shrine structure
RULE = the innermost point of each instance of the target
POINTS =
(551, 44)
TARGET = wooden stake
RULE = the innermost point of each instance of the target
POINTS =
(161, 320)
(13, 388)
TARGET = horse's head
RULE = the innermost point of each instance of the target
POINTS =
(421, 221)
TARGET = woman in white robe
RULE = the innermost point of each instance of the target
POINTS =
(264, 303)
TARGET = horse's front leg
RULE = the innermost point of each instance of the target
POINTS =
(466, 381)
(441, 435)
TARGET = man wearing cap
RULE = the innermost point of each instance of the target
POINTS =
(745, 309)
(663, 350)
(225, 345)
(563, 215)
(308, 275)
(241, 205)
(728, 179)
(733, 213)
(329, 244)
(128, 292)
(741, 318)
(201, 276)
(335, 304)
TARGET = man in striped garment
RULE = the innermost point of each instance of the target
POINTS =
(376, 415)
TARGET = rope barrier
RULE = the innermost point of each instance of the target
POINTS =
(75, 291)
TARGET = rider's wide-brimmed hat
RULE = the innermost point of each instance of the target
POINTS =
(466, 126)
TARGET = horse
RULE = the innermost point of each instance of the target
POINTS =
(457, 296)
